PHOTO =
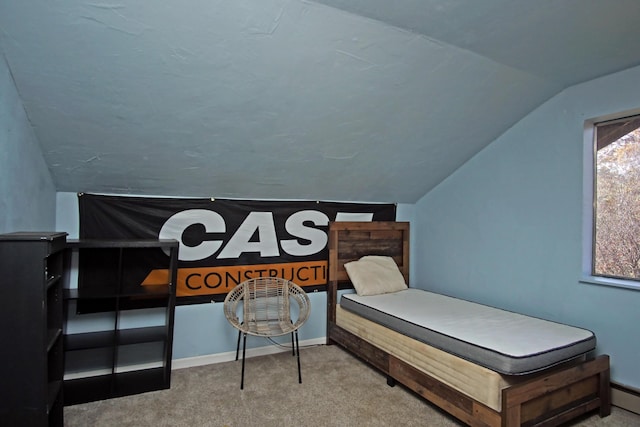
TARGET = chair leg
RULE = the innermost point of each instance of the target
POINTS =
(238, 345)
(293, 344)
(298, 350)
(244, 347)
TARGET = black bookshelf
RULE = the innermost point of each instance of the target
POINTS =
(104, 356)
(31, 312)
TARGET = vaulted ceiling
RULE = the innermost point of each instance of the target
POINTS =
(351, 100)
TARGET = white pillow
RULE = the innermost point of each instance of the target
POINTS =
(374, 274)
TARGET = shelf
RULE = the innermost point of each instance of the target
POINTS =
(142, 335)
(52, 337)
(89, 389)
(139, 356)
(120, 243)
(52, 280)
(31, 362)
(89, 340)
(56, 409)
(140, 381)
(97, 371)
(55, 361)
(82, 390)
(101, 293)
(110, 338)
(103, 301)
(119, 333)
(33, 236)
(153, 291)
(88, 362)
(53, 391)
(150, 291)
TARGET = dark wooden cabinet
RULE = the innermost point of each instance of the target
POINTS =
(118, 323)
(31, 315)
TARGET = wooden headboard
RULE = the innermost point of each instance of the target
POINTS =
(349, 241)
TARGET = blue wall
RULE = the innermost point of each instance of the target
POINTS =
(27, 192)
(506, 228)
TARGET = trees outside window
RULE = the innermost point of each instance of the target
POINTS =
(616, 233)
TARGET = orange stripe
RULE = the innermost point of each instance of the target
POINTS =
(220, 280)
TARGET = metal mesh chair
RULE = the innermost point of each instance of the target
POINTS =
(267, 311)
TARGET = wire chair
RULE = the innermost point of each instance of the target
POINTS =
(267, 311)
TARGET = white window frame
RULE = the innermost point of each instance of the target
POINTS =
(588, 204)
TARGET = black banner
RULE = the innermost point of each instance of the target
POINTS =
(223, 242)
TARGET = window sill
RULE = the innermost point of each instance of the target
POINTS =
(606, 281)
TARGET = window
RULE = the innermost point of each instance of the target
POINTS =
(615, 217)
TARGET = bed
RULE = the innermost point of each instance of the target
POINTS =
(490, 382)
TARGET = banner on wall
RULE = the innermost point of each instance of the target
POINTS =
(223, 242)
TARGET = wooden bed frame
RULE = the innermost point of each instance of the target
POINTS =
(549, 399)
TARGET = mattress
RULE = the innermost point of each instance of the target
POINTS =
(500, 340)
(478, 382)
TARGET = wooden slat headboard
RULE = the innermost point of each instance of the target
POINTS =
(349, 241)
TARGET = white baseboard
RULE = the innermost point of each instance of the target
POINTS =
(189, 362)
(625, 397)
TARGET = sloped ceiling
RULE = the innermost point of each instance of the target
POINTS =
(352, 100)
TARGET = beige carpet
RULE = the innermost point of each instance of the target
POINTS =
(337, 390)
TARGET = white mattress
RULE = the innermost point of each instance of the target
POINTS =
(507, 342)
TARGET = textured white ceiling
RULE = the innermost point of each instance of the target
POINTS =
(363, 100)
